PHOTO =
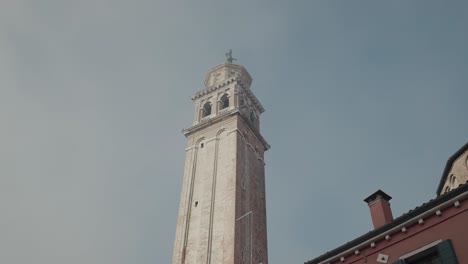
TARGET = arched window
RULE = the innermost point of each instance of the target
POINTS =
(206, 110)
(447, 189)
(453, 181)
(252, 117)
(224, 102)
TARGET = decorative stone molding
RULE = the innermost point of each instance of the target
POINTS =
(223, 111)
(254, 100)
(225, 74)
(227, 71)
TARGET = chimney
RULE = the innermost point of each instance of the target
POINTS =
(379, 206)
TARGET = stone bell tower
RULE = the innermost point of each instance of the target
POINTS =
(222, 215)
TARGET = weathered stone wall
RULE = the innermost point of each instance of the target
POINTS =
(222, 216)
(251, 229)
(205, 206)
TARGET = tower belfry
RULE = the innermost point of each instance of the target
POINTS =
(222, 214)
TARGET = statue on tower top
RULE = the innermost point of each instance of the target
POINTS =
(229, 57)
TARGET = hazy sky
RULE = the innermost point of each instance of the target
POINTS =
(359, 95)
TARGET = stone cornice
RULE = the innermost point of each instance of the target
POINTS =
(219, 118)
(254, 99)
(256, 133)
(212, 88)
(208, 121)
(239, 82)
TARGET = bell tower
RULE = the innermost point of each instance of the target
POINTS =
(222, 214)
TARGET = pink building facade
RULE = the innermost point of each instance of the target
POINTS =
(434, 233)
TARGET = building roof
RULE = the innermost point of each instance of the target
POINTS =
(400, 220)
(448, 166)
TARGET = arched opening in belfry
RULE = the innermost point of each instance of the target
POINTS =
(224, 102)
(252, 117)
(206, 110)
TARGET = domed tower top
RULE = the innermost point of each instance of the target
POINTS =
(227, 92)
(226, 73)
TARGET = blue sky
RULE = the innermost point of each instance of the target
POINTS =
(359, 95)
